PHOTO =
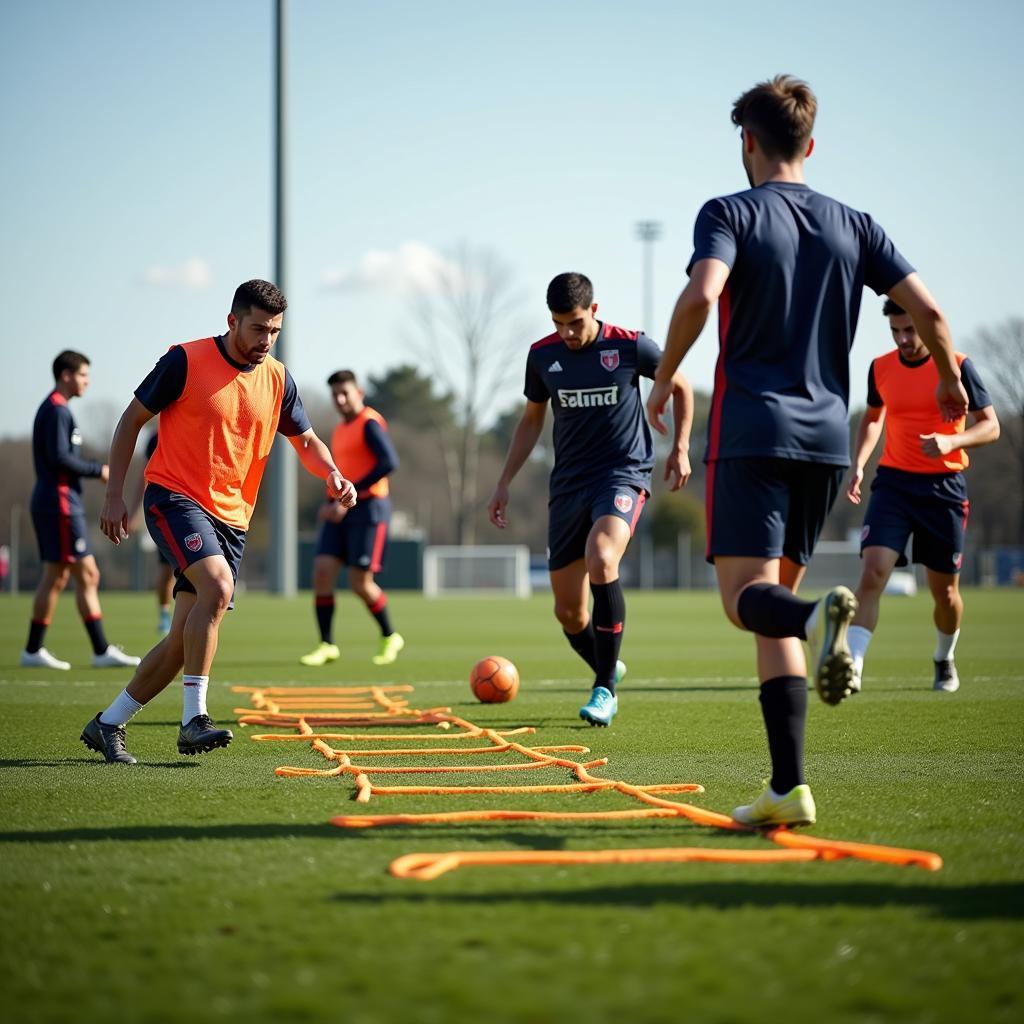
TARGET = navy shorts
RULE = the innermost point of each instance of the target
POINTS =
(63, 539)
(360, 540)
(185, 532)
(930, 507)
(768, 508)
(571, 516)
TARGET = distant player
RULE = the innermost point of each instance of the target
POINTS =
(786, 266)
(59, 520)
(590, 372)
(919, 490)
(357, 537)
(221, 402)
(164, 586)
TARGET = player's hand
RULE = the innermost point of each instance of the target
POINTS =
(952, 399)
(332, 512)
(104, 472)
(114, 519)
(341, 489)
(853, 487)
(677, 469)
(656, 402)
(497, 505)
(935, 446)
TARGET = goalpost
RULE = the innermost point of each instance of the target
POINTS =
(488, 570)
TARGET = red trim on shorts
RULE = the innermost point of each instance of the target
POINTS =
(322, 601)
(637, 509)
(379, 605)
(165, 529)
(67, 547)
(616, 628)
(378, 547)
(718, 399)
(965, 509)
(709, 506)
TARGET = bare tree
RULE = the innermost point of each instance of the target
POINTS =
(468, 328)
(1001, 349)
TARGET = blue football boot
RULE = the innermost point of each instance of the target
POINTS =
(601, 708)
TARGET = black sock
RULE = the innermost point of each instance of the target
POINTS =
(94, 627)
(325, 616)
(583, 644)
(770, 609)
(609, 619)
(379, 610)
(784, 707)
(36, 632)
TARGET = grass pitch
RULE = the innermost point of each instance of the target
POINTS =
(209, 889)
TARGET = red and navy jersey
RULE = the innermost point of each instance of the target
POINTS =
(600, 429)
(57, 454)
(799, 262)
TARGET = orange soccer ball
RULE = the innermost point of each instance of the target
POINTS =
(494, 680)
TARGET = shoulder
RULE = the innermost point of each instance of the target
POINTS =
(372, 416)
(551, 339)
(612, 333)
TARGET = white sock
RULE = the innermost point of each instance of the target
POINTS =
(945, 644)
(122, 711)
(194, 702)
(858, 638)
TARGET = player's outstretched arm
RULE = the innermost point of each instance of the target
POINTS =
(316, 458)
(524, 440)
(694, 305)
(932, 328)
(114, 515)
(677, 465)
(868, 432)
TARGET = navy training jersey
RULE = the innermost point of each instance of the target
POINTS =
(600, 430)
(57, 455)
(798, 264)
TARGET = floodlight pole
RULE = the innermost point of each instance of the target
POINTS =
(283, 512)
(648, 231)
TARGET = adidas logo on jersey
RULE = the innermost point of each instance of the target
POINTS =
(555, 367)
(587, 398)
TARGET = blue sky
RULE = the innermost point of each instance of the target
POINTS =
(137, 162)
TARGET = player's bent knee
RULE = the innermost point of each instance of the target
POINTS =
(570, 617)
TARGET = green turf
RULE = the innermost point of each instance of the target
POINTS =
(212, 890)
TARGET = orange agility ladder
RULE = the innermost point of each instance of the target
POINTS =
(308, 713)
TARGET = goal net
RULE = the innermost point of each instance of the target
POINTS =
(501, 570)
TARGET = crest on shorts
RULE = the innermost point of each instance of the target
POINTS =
(623, 502)
(194, 541)
(610, 359)
(958, 559)
(80, 544)
(865, 530)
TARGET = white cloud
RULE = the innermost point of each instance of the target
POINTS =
(195, 274)
(412, 265)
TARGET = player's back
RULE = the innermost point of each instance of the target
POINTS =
(799, 261)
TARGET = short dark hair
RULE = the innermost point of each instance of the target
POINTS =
(69, 360)
(570, 291)
(261, 294)
(892, 309)
(342, 377)
(780, 114)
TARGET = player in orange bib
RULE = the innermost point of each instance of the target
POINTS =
(356, 538)
(919, 489)
(221, 402)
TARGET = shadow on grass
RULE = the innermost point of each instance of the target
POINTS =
(995, 901)
(75, 762)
